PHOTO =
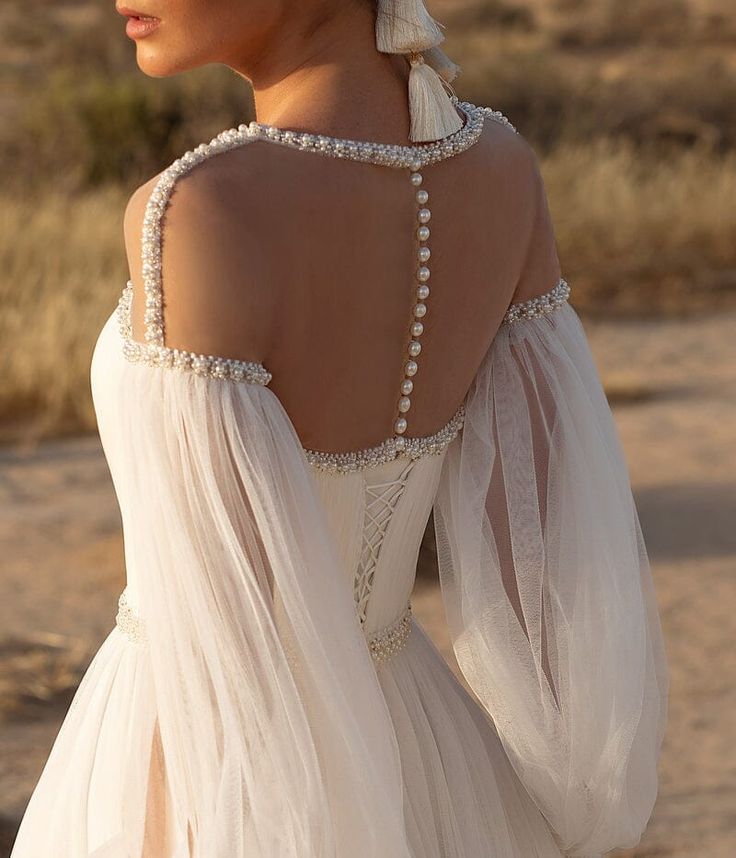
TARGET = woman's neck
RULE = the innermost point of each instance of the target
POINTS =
(327, 77)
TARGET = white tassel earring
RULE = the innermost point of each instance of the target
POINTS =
(406, 27)
(442, 64)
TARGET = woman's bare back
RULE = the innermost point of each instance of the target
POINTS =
(308, 264)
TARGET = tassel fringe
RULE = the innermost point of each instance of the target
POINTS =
(433, 115)
(442, 64)
(406, 27)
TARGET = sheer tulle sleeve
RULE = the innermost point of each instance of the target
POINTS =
(265, 696)
(547, 585)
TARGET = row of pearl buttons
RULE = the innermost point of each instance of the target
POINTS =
(420, 308)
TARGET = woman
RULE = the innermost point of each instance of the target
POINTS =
(284, 395)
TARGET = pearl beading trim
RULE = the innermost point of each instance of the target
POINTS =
(388, 450)
(419, 310)
(380, 154)
(210, 366)
(391, 640)
(382, 646)
(541, 305)
(340, 463)
(128, 622)
(423, 273)
(373, 153)
(154, 352)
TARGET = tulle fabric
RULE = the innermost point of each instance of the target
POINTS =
(254, 676)
(91, 798)
(547, 585)
(463, 798)
(269, 707)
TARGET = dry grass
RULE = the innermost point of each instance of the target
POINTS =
(63, 264)
(638, 235)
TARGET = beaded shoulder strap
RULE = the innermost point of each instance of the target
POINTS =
(153, 350)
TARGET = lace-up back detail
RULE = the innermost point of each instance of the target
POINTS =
(381, 500)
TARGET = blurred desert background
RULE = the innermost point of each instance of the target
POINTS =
(631, 106)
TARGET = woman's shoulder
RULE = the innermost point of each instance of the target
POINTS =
(518, 205)
(216, 176)
(201, 212)
(509, 155)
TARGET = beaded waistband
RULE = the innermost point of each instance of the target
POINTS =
(128, 622)
(392, 639)
(382, 646)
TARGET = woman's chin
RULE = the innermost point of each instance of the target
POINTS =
(159, 64)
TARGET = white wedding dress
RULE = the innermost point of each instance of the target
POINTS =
(266, 692)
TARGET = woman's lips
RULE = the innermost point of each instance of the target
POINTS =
(140, 26)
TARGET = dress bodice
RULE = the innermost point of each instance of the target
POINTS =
(377, 500)
(378, 517)
(377, 514)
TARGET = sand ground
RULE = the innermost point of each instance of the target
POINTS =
(673, 389)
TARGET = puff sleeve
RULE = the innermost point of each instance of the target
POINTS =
(547, 585)
(266, 695)
(238, 682)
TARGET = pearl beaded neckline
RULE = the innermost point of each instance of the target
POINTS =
(154, 351)
(381, 154)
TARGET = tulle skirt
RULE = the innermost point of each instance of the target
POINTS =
(462, 798)
(88, 802)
